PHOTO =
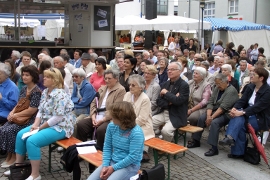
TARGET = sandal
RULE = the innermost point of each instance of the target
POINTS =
(145, 158)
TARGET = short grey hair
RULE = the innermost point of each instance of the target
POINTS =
(243, 61)
(164, 59)
(79, 71)
(217, 57)
(65, 51)
(114, 73)
(59, 57)
(227, 66)
(186, 50)
(93, 56)
(178, 64)
(222, 77)
(16, 54)
(201, 71)
(199, 55)
(47, 58)
(146, 53)
(5, 69)
(206, 64)
(138, 79)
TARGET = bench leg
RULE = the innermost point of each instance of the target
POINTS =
(169, 167)
(155, 156)
(51, 148)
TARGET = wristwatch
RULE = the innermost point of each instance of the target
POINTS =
(243, 112)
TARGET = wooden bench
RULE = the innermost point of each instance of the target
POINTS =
(167, 147)
(93, 158)
(182, 132)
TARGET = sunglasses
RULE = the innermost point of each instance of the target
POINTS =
(52, 70)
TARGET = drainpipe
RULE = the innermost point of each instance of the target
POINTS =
(255, 10)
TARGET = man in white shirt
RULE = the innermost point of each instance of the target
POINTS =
(244, 72)
(152, 57)
(15, 56)
(67, 65)
(87, 65)
(58, 62)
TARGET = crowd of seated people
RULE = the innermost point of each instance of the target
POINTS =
(162, 90)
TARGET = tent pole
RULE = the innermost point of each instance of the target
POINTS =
(19, 22)
(15, 21)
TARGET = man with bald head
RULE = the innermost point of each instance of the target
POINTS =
(173, 101)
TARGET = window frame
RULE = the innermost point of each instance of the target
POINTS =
(212, 15)
(234, 6)
(159, 6)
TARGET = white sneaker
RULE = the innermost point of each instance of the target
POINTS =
(31, 178)
(4, 163)
(7, 173)
(60, 149)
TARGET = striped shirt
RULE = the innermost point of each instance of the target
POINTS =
(123, 147)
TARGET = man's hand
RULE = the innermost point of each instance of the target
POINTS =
(1, 96)
(208, 121)
(163, 91)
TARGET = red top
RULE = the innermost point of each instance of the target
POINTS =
(97, 81)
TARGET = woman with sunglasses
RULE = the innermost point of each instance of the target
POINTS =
(54, 121)
(82, 96)
(142, 107)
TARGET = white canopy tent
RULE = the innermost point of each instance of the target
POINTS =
(23, 22)
(163, 23)
(54, 28)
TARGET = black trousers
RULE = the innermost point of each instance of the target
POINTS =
(85, 128)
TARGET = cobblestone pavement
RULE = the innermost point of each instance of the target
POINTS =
(192, 166)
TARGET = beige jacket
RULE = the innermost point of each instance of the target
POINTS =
(142, 108)
(116, 95)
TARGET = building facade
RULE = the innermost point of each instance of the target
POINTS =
(255, 11)
(137, 8)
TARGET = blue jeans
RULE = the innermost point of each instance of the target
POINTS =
(121, 174)
(237, 131)
(33, 143)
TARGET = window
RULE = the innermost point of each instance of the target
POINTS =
(162, 7)
(209, 10)
(233, 6)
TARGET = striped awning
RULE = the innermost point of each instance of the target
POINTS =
(234, 25)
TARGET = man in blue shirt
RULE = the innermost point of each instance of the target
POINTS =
(76, 62)
(9, 93)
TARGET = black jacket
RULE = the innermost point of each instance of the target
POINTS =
(176, 105)
(235, 84)
(261, 107)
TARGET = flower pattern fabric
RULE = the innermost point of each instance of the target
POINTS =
(58, 103)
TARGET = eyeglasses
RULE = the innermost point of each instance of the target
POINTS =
(52, 70)
(173, 69)
(75, 76)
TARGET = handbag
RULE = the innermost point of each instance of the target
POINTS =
(22, 105)
(155, 173)
(252, 155)
(20, 171)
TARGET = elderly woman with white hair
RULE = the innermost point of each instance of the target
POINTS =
(142, 107)
(200, 92)
(9, 93)
(226, 70)
(82, 96)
